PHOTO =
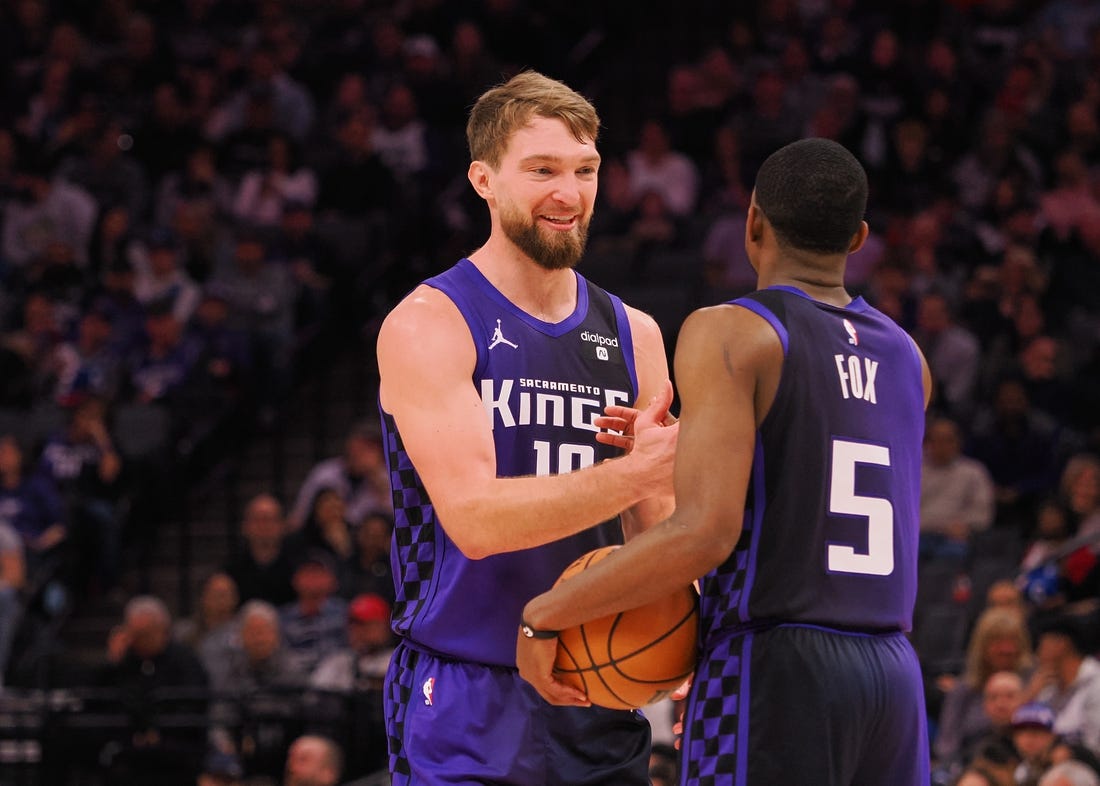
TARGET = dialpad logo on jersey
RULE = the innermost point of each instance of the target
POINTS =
(601, 342)
(853, 336)
(428, 689)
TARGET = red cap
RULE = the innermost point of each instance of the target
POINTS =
(369, 608)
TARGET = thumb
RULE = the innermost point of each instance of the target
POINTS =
(659, 404)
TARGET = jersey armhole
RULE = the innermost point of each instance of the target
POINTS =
(767, 315)
(468, 314)
(626, 339)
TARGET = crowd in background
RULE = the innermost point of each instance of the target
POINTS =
(196, 196)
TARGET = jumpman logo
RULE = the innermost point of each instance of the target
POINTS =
(498, 338)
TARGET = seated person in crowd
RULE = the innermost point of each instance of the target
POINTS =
(314, 624)
(263, 565)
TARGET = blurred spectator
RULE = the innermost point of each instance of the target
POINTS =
(263, 566)
(473, 68)
(767, 124)
(999, 642)
(115, 298)
(1068, 681)
(265, 192)
(956, 493)
(83, 463)
(1033, 736)
(107, 171)
(313, 264)
(1002, 695)
(222, 369)
(313, 761)
(401, 137)
(354, 178)
(359, 474)
(160, 277)
(654, 167)
(369, 570)
(996, 154)
(261, 299)
(113, 241)
(291, 106)
(29, 503)
(13, 576)
(952, 353)
(259, 660)
(314, 624)
(163, 141)
(362, 664)
(210, 631)
(44, 210)
(1070, 773)
(1080, 490)
(1019, 445)
(160, 368)
(89, 364)
(196, 182)
(1071, 205)
(327, 526)
(154, 676)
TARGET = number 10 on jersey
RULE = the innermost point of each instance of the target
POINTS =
(568, 457)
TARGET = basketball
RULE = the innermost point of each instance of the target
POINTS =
(631, 659)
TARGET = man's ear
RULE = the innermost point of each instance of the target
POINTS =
(859, 238)
(479, 176)
(754, 224)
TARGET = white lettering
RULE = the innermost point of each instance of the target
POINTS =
(579, 419)
(557, 405)
(869, 385)
(843, 374)
(499, 404)
(855, 376)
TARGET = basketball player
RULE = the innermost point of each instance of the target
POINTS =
(493, 378)
(797, 485)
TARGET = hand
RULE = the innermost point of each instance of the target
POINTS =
(49, 538)
(629, 421)
(678, 697)
(535, 660)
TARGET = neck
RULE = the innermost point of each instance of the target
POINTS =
(823, 287)
(549, 295)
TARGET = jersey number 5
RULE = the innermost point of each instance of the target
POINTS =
(843, 501)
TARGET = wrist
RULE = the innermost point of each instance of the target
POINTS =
(532, 632)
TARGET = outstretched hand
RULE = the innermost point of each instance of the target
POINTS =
(624, 423)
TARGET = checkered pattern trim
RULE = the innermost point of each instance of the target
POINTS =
(399, 691)
(715, 722)
(414, 531)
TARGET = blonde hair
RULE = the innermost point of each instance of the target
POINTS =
(508, 107)
(995, 623)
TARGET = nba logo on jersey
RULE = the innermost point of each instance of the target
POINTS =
(853, 337)
(428, 689)
(601, 353)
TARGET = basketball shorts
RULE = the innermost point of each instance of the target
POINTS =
(451, 722)
(806, 705)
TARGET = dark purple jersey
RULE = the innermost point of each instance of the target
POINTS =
(831, 519)
(542, 385)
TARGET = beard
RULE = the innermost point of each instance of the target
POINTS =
(549, 250)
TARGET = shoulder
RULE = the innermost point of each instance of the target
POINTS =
(642, 325)
(426, 313)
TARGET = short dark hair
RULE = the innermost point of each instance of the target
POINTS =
(814, 194)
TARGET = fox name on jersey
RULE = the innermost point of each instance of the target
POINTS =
(857, 377)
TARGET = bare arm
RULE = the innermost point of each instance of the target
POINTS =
(727, 361)
(426, 359)
(652, 368)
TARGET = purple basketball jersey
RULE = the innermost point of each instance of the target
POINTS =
(542, 385)
(831, 520)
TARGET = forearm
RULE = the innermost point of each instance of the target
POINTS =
(646, 514)
(510, 514)
(644, 570)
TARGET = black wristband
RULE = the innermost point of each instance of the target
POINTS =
(534, 633)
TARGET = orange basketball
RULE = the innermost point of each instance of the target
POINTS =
(634, 658)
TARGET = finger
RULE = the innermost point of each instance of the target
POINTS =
(682, 691)
(562, 694)
(627, 414)
(618, 440)
(611, 423)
